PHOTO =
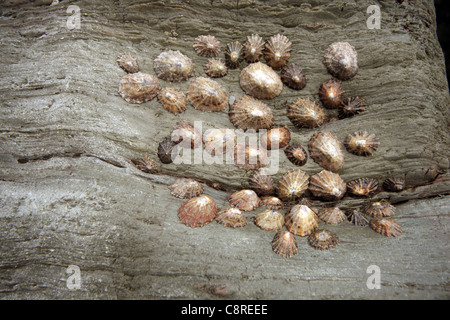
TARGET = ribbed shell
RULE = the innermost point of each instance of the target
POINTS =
(219, 141)
(296, 154)
(362, 186)
(330, 93)
(305, 113)
(233, 54)
(260, 81)
(272, 203)
(326, 150)
(269, 220)
(386, 227)
(356, 217)
(292, 185)
(253, 48)
(379, 209)
(250, 157)
(293, 77)
(332, 215)
(198, 211)
(249, 113)
(301, 220)
(276, 138)
(172, 100)
(186, 135)
(277, 51)
(351, 107)
(284, 244)
(185, 188)
(245, 200)
(323, 239)
(207, 95)
(207, 46)
(166, 152)
(327, 185)
(395, 184)
(261, 183)
(341, 60)
(231, 217)
(138, 87)
(128, 63)
(215, 68)
(173, 66)
(361, 143)
(146, 165)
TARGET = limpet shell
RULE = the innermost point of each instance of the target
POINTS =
(185, 188)
(231, 217)
(250, 156)
(362, 143)
(245, 200)
(386, 227)
(301, 220)
(322, 239)
(292, 185)
(219, 141)
(332, 215)
(330, 93)
(167, 150)
(327, 185)
(293, 77)
(272, 203)
(277, 51)
(249, 113)
(138, 87)
(128, 63)
(261, 183)
(326, 150)
(296, 154)
(341, 60)
(207, 46)
(186, 135)
(356, 217)
(276, 138)
(233, 55)
(173, 66)
(260, 81)
(285, 244)
(305, 113)
(269, 220)
(253, 48)
(172, 100)
(379, 209)
(207, 95)
(215, 68)
(395, 184)
(362, 186)
(351, 107)
(197, 211)
(146, 165)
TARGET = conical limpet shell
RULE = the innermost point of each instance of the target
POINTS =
(332, 215)
(260, 81)
(233, 54)
(261, 183)
(172, 100)
(305, 113)
(322, 239)
(292, 185)
(146, 165)
(269, 220)
(362, 186)
(395, 184)
(253, 48)
(128, 63)
(301, 220)
(207, 46)
(276, 138)
(245, 200)
(186, 135)
(356, 217)
(250, 156)
(284, 244)
(277, 51)
(249, 113)
(351, 107)
(198, 211)
(293, 77)
(362, 143)
(215, 68)
(173, 66)
(341, 60)
(138, 87)
(167, 150)
(207, 95)
(219, 141)
(327, 185)
(296, 154)
(272, 203)
(330, 93)
(326, 150)
(185, 188)
(231, 217)
(386, 227)
(379, 209)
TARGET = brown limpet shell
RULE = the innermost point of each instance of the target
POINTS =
(219, 141)
(269, 220)
(173, 66)
(233, 55)
(167, 150)
(305, 113)
(386, 227)
(128, 63)
(327, 185)
(356, 217)
(216, 68)
(330, 93)
(186, 188)
(301, 220)
(250, 157)
(395, 184)
(323, 239)
(249, 113)
(362, 143)
(261, 183)
(272, 203)
(172, 100)
(379, 209)
(351, 107)
(186, 135)
(326, 150)
(146, 165)
(341, 60)
(296, 154)
(231, 217)
(197, 211)
(276, 138)
(293, 77)
(253, 48)
(138, 87)
(207, 46)
(260, 81)
(332, 215)
(292, 185)
(245, 200)
(362, 186)
(277, 51)
(285, 244)
(207, 95)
